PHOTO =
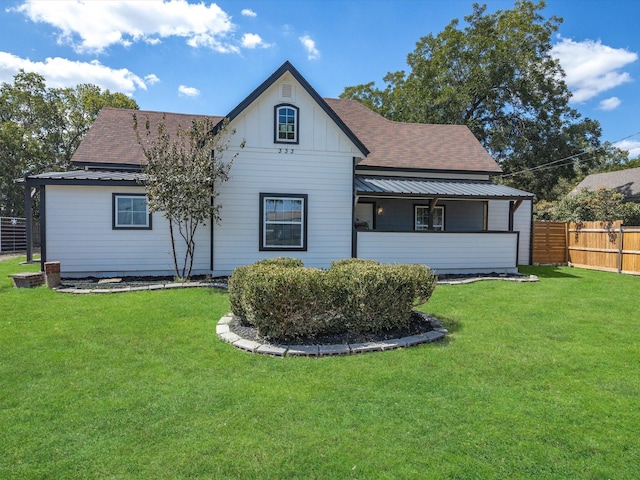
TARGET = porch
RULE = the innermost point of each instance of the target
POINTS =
(453, 226)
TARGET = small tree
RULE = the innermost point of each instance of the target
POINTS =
(604, 205)
(183, 172)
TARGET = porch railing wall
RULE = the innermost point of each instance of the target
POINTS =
(444, 252)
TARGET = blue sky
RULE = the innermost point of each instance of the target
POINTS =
(204, 57)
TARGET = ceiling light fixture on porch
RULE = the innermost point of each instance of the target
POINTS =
(380, 211)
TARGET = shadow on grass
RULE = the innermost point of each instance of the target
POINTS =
(548, 272)
(452, 324)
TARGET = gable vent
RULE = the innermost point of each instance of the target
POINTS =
(286, 91)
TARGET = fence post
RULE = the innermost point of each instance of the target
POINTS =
(566, 242)
(620, 248)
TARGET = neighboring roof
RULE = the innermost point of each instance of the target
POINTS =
(398, 186)
(111, 141)
(626, 182)
(87, 177)
(414, 145)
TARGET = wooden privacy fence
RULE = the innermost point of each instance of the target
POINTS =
(606, 246)
(611, 247)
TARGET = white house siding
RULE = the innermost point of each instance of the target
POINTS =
(442, 252)
(87, 244)
(499, 221)
(320, 166)
(522, 224)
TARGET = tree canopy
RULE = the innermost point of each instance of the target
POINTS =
(41, 128)
(497, 76)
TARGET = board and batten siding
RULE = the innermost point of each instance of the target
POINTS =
(319, 166)
(80, 236)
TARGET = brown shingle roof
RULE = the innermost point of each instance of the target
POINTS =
(626, 182)
(413, 145)
(111, 141)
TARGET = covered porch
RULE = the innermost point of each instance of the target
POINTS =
(453, 226)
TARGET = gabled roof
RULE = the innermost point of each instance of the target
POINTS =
(288, 67)
(626, 182)
(414, 146)
(111, 142)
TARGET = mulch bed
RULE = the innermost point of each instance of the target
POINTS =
(420, 323)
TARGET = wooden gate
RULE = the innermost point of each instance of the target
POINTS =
(549, 243)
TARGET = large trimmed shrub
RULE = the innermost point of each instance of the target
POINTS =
(286, 301)
(237, 281)
(373, 298)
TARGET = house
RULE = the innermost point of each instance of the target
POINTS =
(627, 182)
(319, 179)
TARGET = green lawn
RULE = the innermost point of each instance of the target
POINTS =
(538, 380)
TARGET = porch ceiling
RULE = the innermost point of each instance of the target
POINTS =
(426, 187)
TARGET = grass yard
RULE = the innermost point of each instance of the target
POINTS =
(538, 380)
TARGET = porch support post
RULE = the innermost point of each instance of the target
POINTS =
(29, 221)
(513, 206)
(432, 208)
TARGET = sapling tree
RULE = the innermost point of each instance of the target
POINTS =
(183, 173)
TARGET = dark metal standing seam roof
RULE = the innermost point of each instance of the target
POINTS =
(92, 177)
(390, 186)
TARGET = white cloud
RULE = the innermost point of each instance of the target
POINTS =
(247, 12)
(93, 26)
(591, 67)
(60, 72)
(310, 45)
(253, 40)
(632, 146)
(609, 103)
(188, 91)
(151, 79)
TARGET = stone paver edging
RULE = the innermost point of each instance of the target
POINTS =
(139, 288)
(172, 285)
(223, 330)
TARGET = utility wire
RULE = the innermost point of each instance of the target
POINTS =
(568, 160)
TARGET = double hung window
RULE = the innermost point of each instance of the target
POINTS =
(130, 211)
(283, 222)
(422, 218)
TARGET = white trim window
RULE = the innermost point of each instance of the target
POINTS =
(286, 124)
(131, 212)
(283, 224)
(421, 217)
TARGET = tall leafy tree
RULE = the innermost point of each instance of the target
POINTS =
(496, 75)
(41, 128)
(184, 170)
